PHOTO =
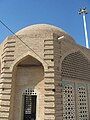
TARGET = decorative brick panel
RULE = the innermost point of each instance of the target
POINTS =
(76, 65)
(6, 78)
(49, 80)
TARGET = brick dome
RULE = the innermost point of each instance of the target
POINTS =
(43, 29)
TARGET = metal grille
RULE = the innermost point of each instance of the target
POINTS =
(75, 101)
(82, 103)
(29, 105)
(68, 103)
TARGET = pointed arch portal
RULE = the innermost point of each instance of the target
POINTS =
(75, 78)
(27, 88)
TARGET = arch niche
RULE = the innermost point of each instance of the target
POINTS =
(28, 75)
(76, 82)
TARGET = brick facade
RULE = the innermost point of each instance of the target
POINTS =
(47, 61)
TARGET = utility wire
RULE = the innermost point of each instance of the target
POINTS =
(20, 39)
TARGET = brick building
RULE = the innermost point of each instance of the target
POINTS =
(44, 75)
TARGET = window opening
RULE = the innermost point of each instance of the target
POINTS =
(29, 105)
(82, 103)
(68, 103)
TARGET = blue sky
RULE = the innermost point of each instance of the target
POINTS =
(17, 14)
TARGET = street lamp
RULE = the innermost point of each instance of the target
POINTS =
(83, 12)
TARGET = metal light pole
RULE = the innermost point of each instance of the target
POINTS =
(84, 12)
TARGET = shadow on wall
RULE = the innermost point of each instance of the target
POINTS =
(29, 73)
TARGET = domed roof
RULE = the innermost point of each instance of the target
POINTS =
(38, 28)
(42, 29)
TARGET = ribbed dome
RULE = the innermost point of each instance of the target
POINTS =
(42, 29)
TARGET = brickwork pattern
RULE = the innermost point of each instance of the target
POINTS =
(7, 58)
(75, 100)
(58, 83)
(68, 102)
(76, 65)
(60, 58)
(49, 80)
(82, 102)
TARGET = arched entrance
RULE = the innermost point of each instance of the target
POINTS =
(27, 99)
(75, 86)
